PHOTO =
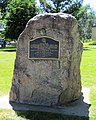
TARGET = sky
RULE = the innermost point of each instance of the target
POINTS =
(91, 2)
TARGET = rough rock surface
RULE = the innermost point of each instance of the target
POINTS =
(48, 82)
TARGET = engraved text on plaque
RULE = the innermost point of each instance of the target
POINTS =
(43, 47)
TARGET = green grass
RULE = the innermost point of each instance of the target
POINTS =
(11, 115)
(93, 43)
(88, 78)
(88, 72)
(7, 57)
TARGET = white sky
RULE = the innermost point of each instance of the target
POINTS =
(91, 2)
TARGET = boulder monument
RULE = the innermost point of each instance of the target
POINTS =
(47, 65)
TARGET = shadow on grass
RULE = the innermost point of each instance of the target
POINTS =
(30, 115)
(8, 49)
(86, 48)
(93, 43)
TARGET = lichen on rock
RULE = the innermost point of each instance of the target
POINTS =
(48, 82)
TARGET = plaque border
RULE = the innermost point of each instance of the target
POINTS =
(43, 58)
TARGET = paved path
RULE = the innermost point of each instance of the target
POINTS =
(4, 102)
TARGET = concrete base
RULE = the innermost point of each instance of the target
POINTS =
(77, 108)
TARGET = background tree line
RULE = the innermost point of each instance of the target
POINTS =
(14, 14)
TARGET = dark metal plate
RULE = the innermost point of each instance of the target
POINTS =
(43, 47)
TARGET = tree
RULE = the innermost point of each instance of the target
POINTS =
(3, 12)
(3, 7)
(86, 18)
(20, 11)
(84, 14)
(65, 6)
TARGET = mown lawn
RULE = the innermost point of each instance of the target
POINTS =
(88, 78)
(88, 73)
(7, 57)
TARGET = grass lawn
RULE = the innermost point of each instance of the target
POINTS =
(88, 78)
(7, 57)
(88, 73)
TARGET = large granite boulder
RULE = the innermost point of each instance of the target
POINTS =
(43, 80)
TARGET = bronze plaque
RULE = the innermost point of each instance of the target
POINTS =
(43, 48)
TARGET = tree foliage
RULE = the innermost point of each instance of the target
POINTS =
(84, 14)
(19, 12)
(86, 22)
(3, 7)
(3, 12)
(16, 13)
(65, 6)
